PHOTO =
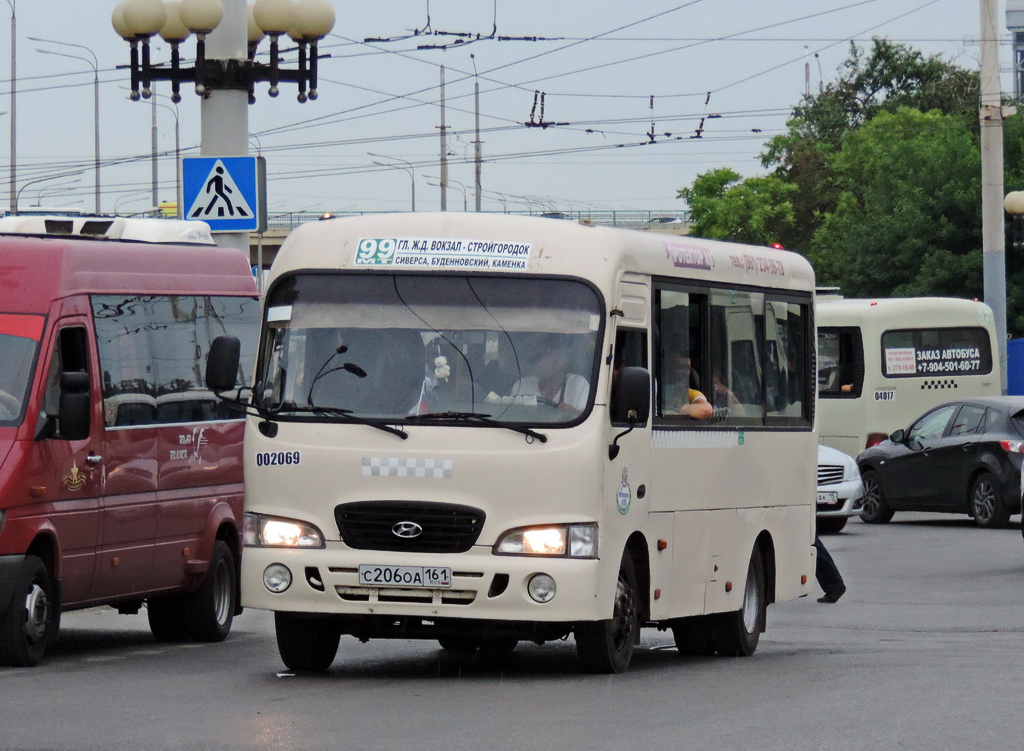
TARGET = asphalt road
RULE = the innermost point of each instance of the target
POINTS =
(926, 651)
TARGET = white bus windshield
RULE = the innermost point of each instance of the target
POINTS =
(425, 348)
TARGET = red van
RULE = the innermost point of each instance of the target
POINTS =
(120, 473)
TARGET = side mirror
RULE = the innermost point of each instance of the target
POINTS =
(222, 363)
(631, 396)
(897, 436)
(75, 406)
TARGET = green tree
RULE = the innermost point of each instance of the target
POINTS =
(723, 206)
(907, 214)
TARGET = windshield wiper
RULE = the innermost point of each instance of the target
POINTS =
(479, 418)
(344, 415)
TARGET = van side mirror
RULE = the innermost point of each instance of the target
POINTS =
(75, 406)
(222, 363)
(631, 395)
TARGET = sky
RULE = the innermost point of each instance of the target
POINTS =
(626, 88)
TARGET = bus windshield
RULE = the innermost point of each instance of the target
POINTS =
(19, 342)
(429, 348)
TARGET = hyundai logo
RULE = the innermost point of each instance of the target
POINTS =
(407, 530)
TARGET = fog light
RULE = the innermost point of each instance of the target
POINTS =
(277, 578)
(541, 588)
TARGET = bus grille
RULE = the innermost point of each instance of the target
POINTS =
(374, 525)
(830, 474)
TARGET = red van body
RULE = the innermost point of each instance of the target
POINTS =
(138, 498)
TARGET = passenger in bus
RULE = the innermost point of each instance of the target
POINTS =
(551, 383)
(723, 398)
(680, 394)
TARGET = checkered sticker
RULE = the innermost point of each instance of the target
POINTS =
(938, 384)
(383, 466)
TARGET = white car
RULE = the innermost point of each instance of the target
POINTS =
(840, 491)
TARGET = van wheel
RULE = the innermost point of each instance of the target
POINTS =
(212, 606)
(307, 644)
(168, 618)
(875, 510)
(607, 646)
(29, 622)
(739, 632)
(986, 507)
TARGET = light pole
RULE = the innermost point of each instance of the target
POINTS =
(94, 62)
(58, 188)
(225, 71)
(177, 150)
(14, 105)
(408, 168)
(460, 186)
(17, 195)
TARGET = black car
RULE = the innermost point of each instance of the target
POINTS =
(962, 457)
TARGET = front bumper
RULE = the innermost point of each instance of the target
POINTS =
(850, 499)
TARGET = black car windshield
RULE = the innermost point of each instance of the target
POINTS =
(430, 348)
(19, 342)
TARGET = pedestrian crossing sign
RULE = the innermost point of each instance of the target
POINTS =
(222, 191)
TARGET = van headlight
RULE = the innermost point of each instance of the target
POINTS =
(557, 540)
(259, 530)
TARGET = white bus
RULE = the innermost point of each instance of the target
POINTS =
(467, 429)
(884, 362)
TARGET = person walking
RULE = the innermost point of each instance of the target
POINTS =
(827, 574)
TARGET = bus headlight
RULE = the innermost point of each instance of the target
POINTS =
(259, 530)
(557, 540)
(541, 588)
(277, 578)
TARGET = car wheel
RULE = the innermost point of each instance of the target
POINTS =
(739, 632)
(875, 510)
(986, 507)
(607, 646)
(28, 623)
(307, 644)
(831, 525)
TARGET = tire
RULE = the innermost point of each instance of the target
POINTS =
(307, 644)
(459, 643)
(499, 645)
(987, 507)
(695, 636)
(212, 606)
(875, 509)
(738, 633)
(607, 646)
(30, 620)
(831, 525)
(168, 618)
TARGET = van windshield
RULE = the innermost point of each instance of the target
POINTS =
(429, 348)
(19, 343)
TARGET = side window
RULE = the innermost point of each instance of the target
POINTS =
(738, 361)
(969, 419)
(932, 425)
(787, 331)
(70, 354)
(679, 357)
(840, 362)
(153, 352)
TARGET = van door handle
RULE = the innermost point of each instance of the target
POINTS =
(94, 459)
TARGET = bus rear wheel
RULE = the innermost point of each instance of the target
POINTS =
(739, 633)
(307, 644)
(607, 646)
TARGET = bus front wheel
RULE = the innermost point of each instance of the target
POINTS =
(307, 644)
(607, 646)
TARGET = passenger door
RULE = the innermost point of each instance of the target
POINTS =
(914, 473)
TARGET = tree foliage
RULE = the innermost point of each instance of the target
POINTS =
(723, 206)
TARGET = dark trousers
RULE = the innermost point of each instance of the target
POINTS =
(826, 571)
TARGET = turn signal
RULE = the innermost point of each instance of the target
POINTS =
(1013, 447)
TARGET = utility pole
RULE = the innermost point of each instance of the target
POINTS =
(444, 151)
(477, 144)
(992, 234)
